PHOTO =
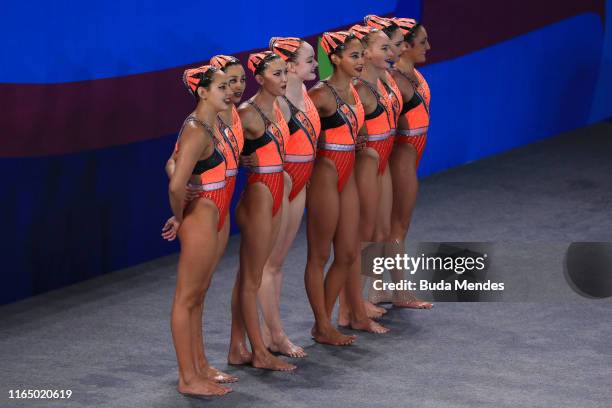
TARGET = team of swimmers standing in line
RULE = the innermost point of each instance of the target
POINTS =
(346, 150)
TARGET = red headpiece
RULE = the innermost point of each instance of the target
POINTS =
(193, 76)
(256, 59)
(221, 61)
(284, 47)
(375, 21)
(406, 25)
(332, 40)
(361, 31)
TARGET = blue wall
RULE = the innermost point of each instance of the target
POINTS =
(73, 41)
(602, 102)
(512, 93)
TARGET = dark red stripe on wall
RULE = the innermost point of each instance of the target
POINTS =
(460, 27)
(54, 119)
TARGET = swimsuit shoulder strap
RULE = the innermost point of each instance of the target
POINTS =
(222, 122)
(267, 122)
(388, 84)
(280, 118)
(207, 128)
(207, 131)
(308, 102)
(231, 143)
(235, 115)
(403, 74)
(415, 84)
(339, 100)
(294, 109)
(370, 87)
(305, 124)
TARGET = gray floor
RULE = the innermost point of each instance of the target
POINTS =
(108, 339)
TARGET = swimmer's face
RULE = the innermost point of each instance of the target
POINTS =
(236, 80)
(417, 51)
(350, 59)
(218, 94)
(305, 64)
(274, 77)
(379, 51)
(397, 44)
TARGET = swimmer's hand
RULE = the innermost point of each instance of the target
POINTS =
(249, 161)
(192, 193)
(360, 143)
(170, 229)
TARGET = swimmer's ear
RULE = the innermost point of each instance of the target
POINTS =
(335, 59)
(202, 93)
(260, 79)
(291, 67)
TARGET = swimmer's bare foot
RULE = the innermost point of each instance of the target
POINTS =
(368, 325)
(413, 304)
(379, 296)
(239, 354)
(332, 336)
(200, 386)
(373, 311)
(343, 317)
(407, 300)
(218, 376)
(286, 347)
(343, 313)
(266, 360)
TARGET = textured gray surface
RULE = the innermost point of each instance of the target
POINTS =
(108, 339)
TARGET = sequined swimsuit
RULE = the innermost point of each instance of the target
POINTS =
(337, 142)
(304, 128)
(211, 171)
(416, 112)
(270, 151)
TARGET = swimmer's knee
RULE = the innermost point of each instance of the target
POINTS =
(347, 258)
(320, 258)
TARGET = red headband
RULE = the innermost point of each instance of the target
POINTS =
(193, 76)
(285, 46)
(405, 24)
(221, 61)
(332, 40)
(361, 31)
(375, 21)
(256, 59)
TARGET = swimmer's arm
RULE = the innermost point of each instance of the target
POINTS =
(193, 145)
(192, 192)
(285, 109)
(170, 166)
(323, 99)
(369, 102)
(249, 120)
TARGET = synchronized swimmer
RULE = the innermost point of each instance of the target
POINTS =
(346, 150)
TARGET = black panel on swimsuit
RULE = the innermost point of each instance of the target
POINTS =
(209, 163)
(250, 145)
(388, 88)
(332, 121)
(411, 104)
(377, 112)
(294, 126)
